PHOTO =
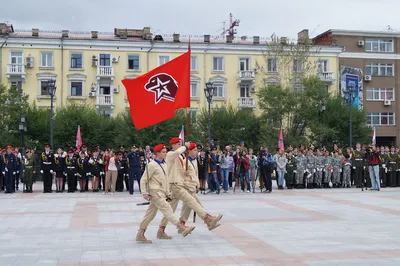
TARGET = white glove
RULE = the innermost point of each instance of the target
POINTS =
(56, 155)
(51, 171)
(314, 170)
(6, 169)
(75, 174)
(354, 167)
(14, 173)
(364, 167)
(65, 174)
(383, 165)
(41, 171)
(100, 161)
(295, 171)
(340, 170)
(4, 173)
(90, 161)
(187, 144)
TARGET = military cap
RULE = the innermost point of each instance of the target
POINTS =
(192, 146)
(159, 147)
(174, 140)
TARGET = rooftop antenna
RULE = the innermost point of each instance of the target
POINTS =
(232, 24)
(389, 28)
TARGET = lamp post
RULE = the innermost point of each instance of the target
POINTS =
(350, 96)
(22, 129)
(323, 109)
(209, 93)
(51, 88)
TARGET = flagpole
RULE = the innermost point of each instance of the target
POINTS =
(187, 135)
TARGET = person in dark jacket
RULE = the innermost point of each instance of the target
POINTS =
(121, 172)
(59, 164)
(47, 168)
(134, 162)
(71, 169)
(83, 172)
(9, 170)
(243, 164)
(212, 168)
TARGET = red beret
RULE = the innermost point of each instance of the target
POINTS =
(9, 147)
(175, 140)
(192, 146)
(159, 147)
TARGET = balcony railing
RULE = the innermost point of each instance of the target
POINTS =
(326, 76)
(247, 102)
(105, 71)
(104, 100)
(15, 69)
(246, 75)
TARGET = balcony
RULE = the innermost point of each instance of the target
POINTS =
(326, 76)
(245, 102)
(246, 75)
(105, 72)
(16, 70)
(105, 100)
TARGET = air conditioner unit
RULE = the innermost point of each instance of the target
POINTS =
(29, 61)
(92, 94)
(387, 102)
(115, 59)
(116, 90)
(94, 61)
(360, 43)
(367, 77)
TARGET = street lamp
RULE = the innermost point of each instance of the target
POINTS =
(209, 93)
(22, 129)
(51, 88)
(350, 97)
(323, 109)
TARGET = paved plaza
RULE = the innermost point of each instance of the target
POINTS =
(289, 227)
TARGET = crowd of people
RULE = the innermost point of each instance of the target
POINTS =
(219, 169)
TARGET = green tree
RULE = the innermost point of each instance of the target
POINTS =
(332, 126)
(229, 126)
(13, 104)
(38, 125)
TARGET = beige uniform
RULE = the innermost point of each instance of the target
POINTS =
(191, 184)
(176, 178)
(159, 190)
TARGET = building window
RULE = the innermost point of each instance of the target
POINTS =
(162, 59)
(44, 88)
(194, 89)
(298, 66)
(219, 91)
(76, 88)
(46, 59)
(193, 115)
(244, 64)
(105, 60)
(193, 63)
(16, 84)
(377, 45)
(380, 119)
(380, 94)
(76, 60)
(133, 62)
(244, 91)
(378, 69)
(323, 65)
(218, 64)
(272, 65)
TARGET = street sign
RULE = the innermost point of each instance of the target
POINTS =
(352, 85)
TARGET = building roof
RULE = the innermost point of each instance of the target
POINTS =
(359, 33)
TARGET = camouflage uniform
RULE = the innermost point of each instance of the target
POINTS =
(310, 168)
(337, 168)
(319, 163)
(346, 173)
(301, 162)
(327, 169)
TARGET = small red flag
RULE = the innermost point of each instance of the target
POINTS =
(280, 140)
(78, 139)
(155, 96)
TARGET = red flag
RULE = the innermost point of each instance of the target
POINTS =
(78, 139)
(153, 97)
(280, 141)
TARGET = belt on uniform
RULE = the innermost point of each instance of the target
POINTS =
(392, 162)
(358, 159)
(28, 166)
(71, 167)
(46, 162)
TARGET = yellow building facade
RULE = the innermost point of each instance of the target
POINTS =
(88, 66)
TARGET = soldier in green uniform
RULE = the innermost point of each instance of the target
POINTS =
(358, 165)
(382, 165)
(327, 169)
(29, 166)
(392, 167)
(319, 164)
(310, 168)
(301, 162)
(290, 170)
